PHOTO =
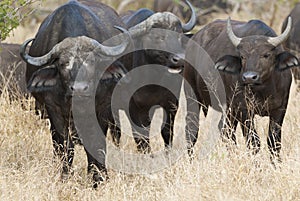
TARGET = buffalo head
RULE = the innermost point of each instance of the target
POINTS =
(258, 56)
(74, 64)
(166, 36)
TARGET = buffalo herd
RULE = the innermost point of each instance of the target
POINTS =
(84, 50)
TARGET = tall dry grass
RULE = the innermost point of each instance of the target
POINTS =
(28, 170)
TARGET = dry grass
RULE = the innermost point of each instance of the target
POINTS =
(29, 172)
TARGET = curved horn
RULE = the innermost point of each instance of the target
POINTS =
(36, 61)
(233, 38)
(192, 22)
(164, 20)
(116, 50)
(45, 59)
(275, 41)
(23, 47)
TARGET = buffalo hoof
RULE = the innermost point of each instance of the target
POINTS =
(144, 148)
(65, 175)
(253, 143)
(168, 149)
(75, 138)
(116, 141)
(143, 145)
(77, 141)
(275, 160)
(99, 178)
(191, 153)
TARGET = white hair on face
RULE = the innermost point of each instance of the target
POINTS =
(70, 66)
(85, 64)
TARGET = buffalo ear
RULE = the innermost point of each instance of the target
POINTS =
(229, 64)
(43, 80)
(286, 60)
(114, 72)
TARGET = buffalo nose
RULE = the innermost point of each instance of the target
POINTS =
(250, 77)
(177, 58)
(79, 87)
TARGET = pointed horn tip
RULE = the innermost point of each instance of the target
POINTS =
(23, 47)
(289, 21)
(26, 42)
(187, 2)
(120, 28)
(233, 38)
(229, 20)
(275, 41)
(193, 20)
(229, 24)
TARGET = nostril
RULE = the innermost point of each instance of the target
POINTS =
(79, 88)
(250, 77)
(86, 88)
(175, 60)
(255, 77)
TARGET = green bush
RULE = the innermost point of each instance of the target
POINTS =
(10, 15)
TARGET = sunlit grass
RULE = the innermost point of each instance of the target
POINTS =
(29, 172)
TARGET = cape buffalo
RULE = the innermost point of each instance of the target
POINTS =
(293, 41)
(149, 50)
(253, 67)
(54, 60)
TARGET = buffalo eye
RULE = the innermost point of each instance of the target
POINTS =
(266, 56)
(159, 38)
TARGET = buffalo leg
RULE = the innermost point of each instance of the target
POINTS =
(141, 138)
(115, 134)
(96, 169)
(192, 124)
(249, 132)
(141, 121)
(62, 143)
(274, 137)
(95, 147)
(141, 133)
(228, 132)
(74, 134)
(168, 129)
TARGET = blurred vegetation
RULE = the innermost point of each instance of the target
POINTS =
(30, 13)
(10, 15)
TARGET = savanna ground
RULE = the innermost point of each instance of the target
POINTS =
(28, 170)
